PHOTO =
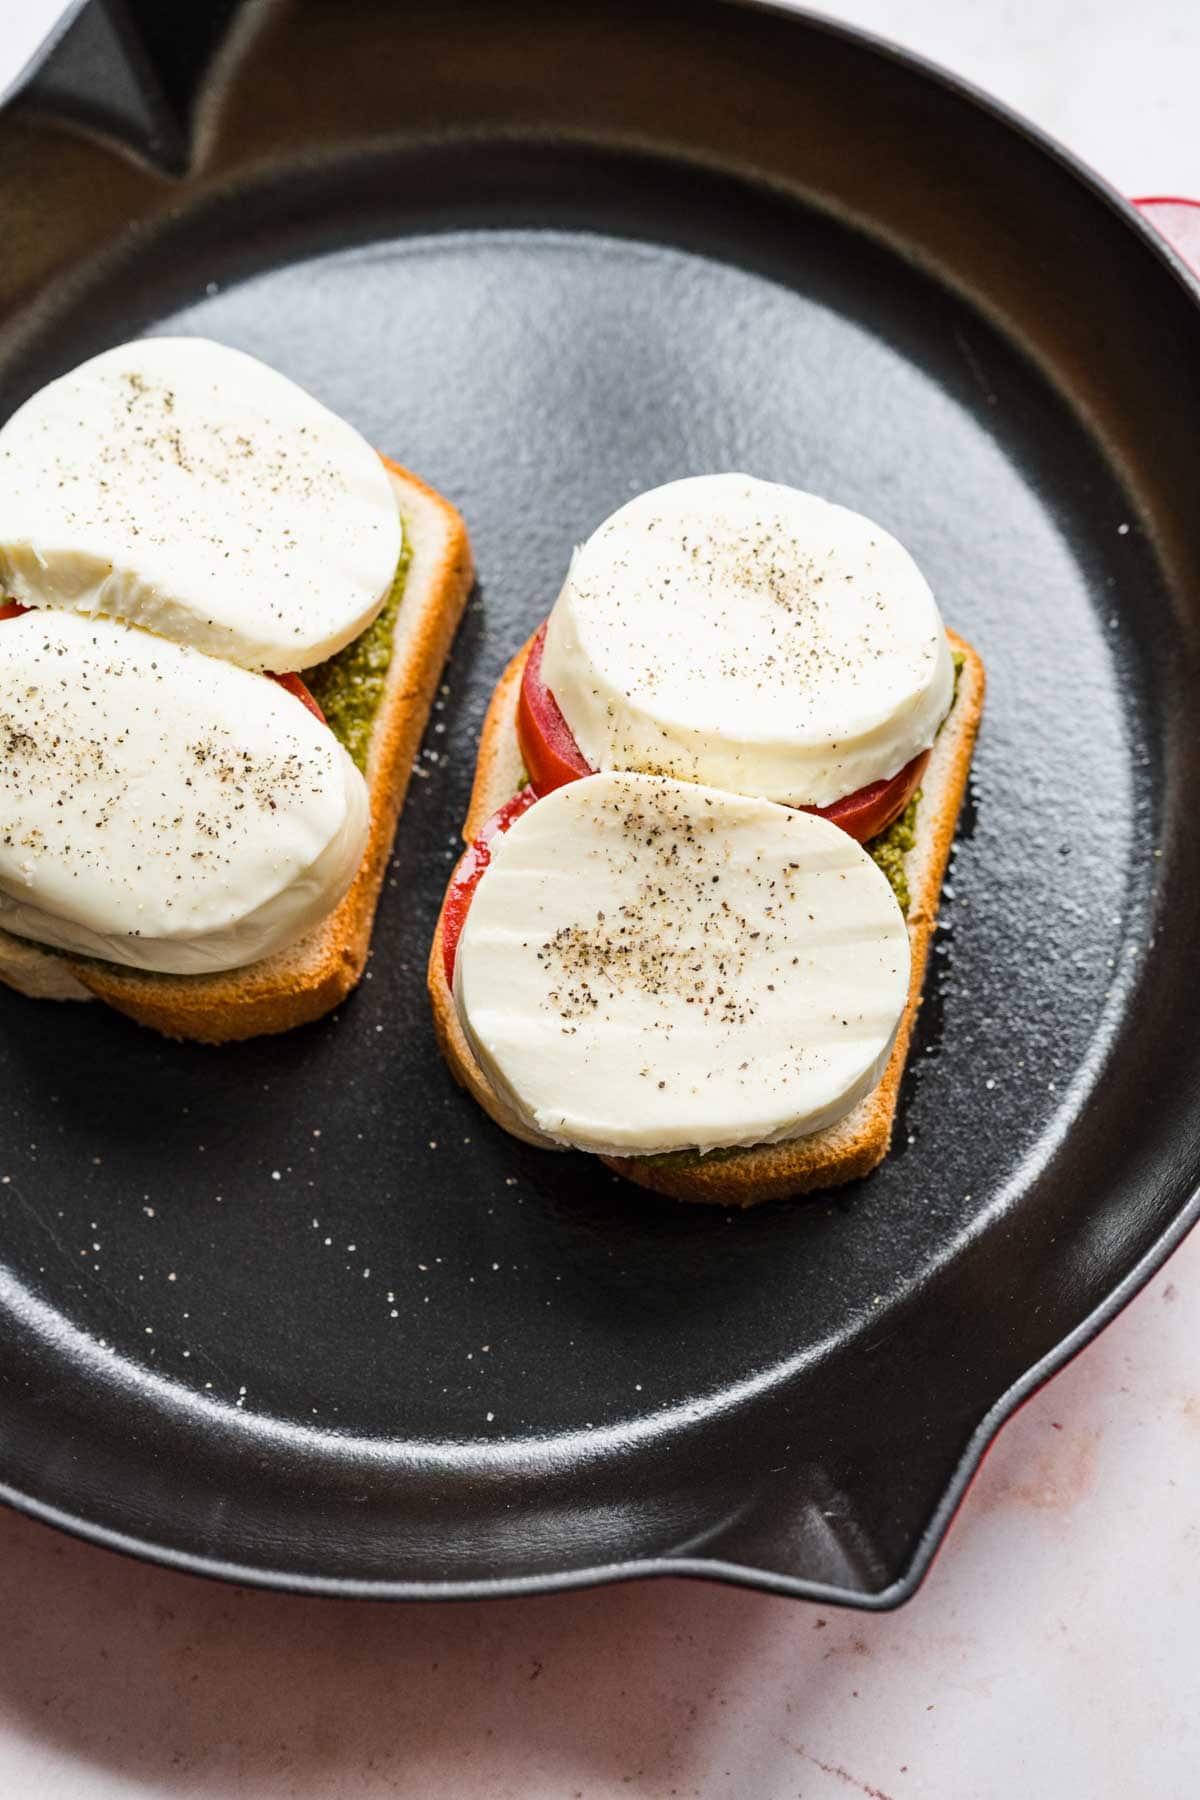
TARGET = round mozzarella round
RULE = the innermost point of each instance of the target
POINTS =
(161, 808)
(651, 965)
(737, 632)
(186, 487)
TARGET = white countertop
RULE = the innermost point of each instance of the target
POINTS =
(1051, 1654)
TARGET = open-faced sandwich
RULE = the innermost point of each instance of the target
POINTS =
(224, 618)
(714, 804)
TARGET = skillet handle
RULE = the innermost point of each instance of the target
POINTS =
(128, 69)
(1179, 222)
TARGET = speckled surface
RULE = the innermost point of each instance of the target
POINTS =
(117, 1680)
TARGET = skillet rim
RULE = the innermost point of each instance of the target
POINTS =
(895, 1593)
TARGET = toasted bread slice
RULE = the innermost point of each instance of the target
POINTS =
(313, 974)
(843, 1151)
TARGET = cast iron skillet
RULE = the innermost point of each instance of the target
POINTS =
(294, 1312)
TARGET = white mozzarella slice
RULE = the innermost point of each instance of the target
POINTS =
(183, 486)
(737, 632)
(650, 965)
(160, 808)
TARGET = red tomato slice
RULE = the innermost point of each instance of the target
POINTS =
(548, 750)
(871, 809)
(12, 609)
(466, 876)
(294, 685)
(553, 758)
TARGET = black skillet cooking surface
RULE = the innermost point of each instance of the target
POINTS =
(295, 1311)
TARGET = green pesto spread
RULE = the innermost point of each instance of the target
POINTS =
(959, 659)
(349, 687)
(888, 850)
